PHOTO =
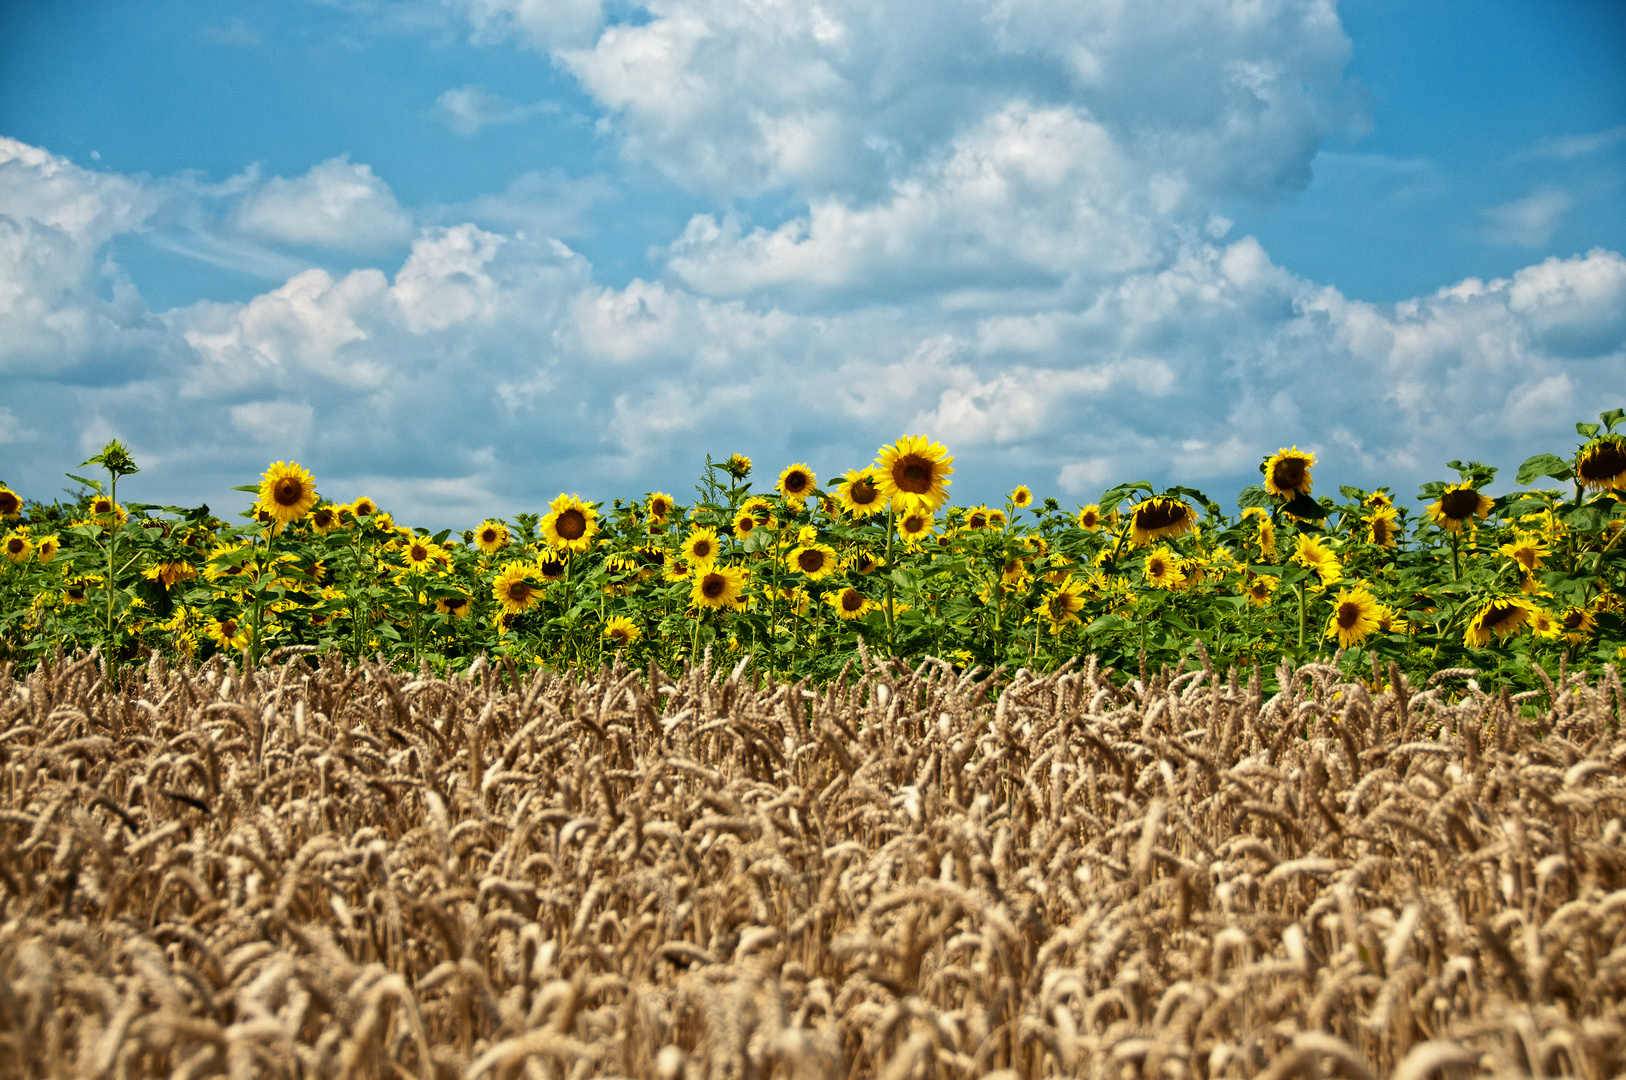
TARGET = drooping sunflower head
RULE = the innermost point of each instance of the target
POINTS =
(1355, 614)
(514, 590)
(621, 631)
(1312, 553)
(702, 546)
(1577, 624)
(796, 482)
(1601, 463)
(491, 537)
(1287, 472)
(660, 506)
(718, 587)
(551, 566)
(1383, 528)
(859, 492)
(1502, 616)
(1459, 504)
(570, 524)
(287, 492)
(677, 569)
(458, 607)
(914, 473)
(11, 504)
(1021, 497)
(1160, 516)
(1089, 517)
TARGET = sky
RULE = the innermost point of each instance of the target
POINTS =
(464, 255)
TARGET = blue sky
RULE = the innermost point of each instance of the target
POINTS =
(462, 255)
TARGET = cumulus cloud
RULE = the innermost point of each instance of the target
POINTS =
(467, 109)
(336, 204)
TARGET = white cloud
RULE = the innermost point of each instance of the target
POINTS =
(1572, 146)
(336, 204)
(444, 279)
(467, 109)
(283, 426)
(546, 24)
(1530, 221)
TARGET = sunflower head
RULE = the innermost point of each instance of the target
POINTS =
(491, 537)
(1383, 529)
(660, 506)
(570, 524)
(813, 561)
(324, 519)
(1502, 616)
(796, 482)
(738, 466)
(1089, 517)
(1021, 497)
(1458, 504)
(1257, 588)
(849, 603)
(551, 566)
(858, 492)
(866, 562)
(11, 504)
(47, 547)
(1163, 569)
(621, 632)
(458, 607)
(1601, 463)
(976, 519)
(1355, 614)
(718, 587)
(915, 526)
(364, 507)
(1160, 516)
(1287, 472)
(514, 590)
(914, 473)
(287, 492)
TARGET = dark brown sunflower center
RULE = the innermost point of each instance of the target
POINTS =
(572, 524)
(101, 506)
(810, 562)
(10, 503)
(1160, 515)
(488, 536)
(1288, 474)
(851, 600)
(620, 635)
(747, 523)
(1604, 462)
(1089, 521)
(863, 493)
(453, 603)
(322, 518)
(1348, 615)
(977, 521)
(1380, 530)
(1499, 614)
(796, 483)
(913, 474)
(1157, 567)
(551, 568)
(713, 585)
(16, 545)
(1459, 505)
(660, 508)
(914, 524)
(228, 627)
(76, 592)
(419, 553)
(288, 491)
(518, 591)
(1573, 620)
(866, 565)
(702, 548)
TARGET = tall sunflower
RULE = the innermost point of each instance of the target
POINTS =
(1355, 614)
(1022, 497)
(718, 587)
(1601, 463)
(491, 537)
(1089, 517)
(796, 482)
(514, 590)
(1500, 615)
(364, 507)
(18, 547)
(914, 473)
(915, 526)
(1062, 604)
(1287, 473)
(551, 566)
(813, 561)
(287, 492)
(325, 518)
(738, 466)
(1383, 529)
(976, 518)
(1159, 516)
(1459, 504)
(570, 524)
(660, 506)
(859, 493)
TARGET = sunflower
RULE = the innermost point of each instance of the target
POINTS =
(812, 561)
(850, 604)
(996, 518)
(420, 556)
(1545, 625)
(1062, 605)
(1500, 615)
(325, 518)
(1525, 549)
(104, 511)
(915, 526)
(551, 566)
(622, 630)
(505, 621)
(364, 507)
(660, 506)
(1021, 497)
(738, 466)
(1159, 516)
(1382, 528)
(702, 546)
(718, 587)
(458, 607)
(46, 547)
(761, 511)
(11, 504)
(491, 537)
(570, 524)
(1089, 517)
(168, 573)
(513, 590)
(1163, 569)
(74, 590)
(1355, 614)
(227, 633)
(914, 473)
(1459, 503)
(976, 518)
(744, 522)
(796, 482)
(677, 569)
(1315, 555)
(1601, 464)
(859, 493)
(1257, 588)
(865, 562)
(18, 547)
(1380, 499)
(1391, 623)
(1577, 624)
(1287, 473)
(287, 492)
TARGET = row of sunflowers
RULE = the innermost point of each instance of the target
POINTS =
(797, 572)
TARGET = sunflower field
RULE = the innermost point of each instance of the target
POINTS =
(802, 574)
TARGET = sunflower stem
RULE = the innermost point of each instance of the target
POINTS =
(891, 586)
(112, 546)
(1456, 561)
(1299, 588)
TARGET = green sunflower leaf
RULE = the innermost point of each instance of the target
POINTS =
(1543, 465)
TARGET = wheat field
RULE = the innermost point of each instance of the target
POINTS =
(314, 870)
